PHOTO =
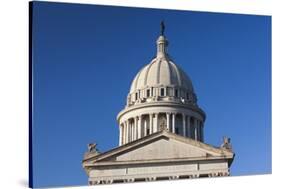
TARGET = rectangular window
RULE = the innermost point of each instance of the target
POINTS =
(162, 92)
(136, 96)
(148, 93)
(187, 96)
(176, 92)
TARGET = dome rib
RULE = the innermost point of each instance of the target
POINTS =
(158, 72)
(177, 72)
(170, 71)
(137, 79)
(147, 70)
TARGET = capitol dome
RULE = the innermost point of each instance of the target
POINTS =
(161, 96)
(161, 71)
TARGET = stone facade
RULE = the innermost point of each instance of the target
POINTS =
(161, 131)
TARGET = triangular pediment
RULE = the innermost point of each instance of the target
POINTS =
(161, 146)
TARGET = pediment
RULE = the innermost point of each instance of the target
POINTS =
(161, 146)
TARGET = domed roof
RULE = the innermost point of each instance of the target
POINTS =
(161, 71)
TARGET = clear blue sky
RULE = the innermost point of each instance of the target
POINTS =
(86, 56)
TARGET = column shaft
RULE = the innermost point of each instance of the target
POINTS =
(195, 129)
(139, 127)
(136, 127)
(199, 130)
(145, 128)
(150, 124)
(133, 131)
(184, 124)
(120, 134)
(156, 123)
(202, 132)
(168, 121)
(127, 131)
(130, 131)
(173, 122)
(188, 127)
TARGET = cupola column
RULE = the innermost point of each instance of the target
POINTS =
(202, 131)
(156, 123)
(173, 122)
(139, 127)
(130, 131)
(195, 129)
(136, 127)
(145, 127)
(168, 121)
(188, 127)
(184, 124)
(127, 131)
(120, 135)
(133, 131)
(199, 130)
(150, 123)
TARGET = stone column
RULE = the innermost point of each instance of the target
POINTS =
(199, 130)
(145, 127)
(202, 132)
(126, 132)
(184, 125)
(136, 131)
(133, 131)
(173, 122)
(188, 127)
(136, 127)
(139, 127)
(156, 123)
(150, 123)
(168, 121)
(195, 129)
(120, 134)
(129, 131)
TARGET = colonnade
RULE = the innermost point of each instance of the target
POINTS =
(146, 124)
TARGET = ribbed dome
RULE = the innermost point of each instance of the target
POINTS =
(161, 97)
(161, 71)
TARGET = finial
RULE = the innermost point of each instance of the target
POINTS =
(162, 27)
